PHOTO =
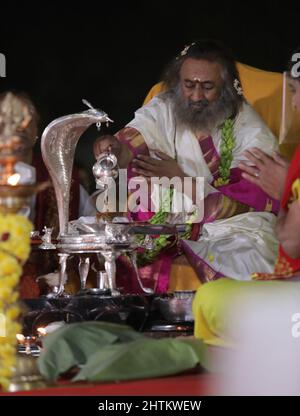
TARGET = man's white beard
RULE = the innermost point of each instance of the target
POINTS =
(206, 116)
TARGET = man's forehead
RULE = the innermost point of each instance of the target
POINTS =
(200, 70)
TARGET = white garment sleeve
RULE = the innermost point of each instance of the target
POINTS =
(251, 131)
(155, 122)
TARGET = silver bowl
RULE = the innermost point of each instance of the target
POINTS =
(105, 169)
(177, 307)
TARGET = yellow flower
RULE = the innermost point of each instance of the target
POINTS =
(220, 182)
(14, 249)
(16, 230)
(8, 264)
(11, 280)
(4, 382)
(5, 372)
(211, 257)
(13, 312)
(5, 293)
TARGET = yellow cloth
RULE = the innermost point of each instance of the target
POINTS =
(183, 276)
(296, 190)
(213, 300)
(209, 307)
(263, 90)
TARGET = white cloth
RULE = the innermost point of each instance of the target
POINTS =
(237, 246)
(157, 124)
(264, 326)
(240, 245)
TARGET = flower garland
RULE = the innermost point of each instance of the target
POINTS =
(161, 242)
(14, 250)
(227, 146)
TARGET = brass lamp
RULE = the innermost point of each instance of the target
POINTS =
(15, 119)
(15, 144)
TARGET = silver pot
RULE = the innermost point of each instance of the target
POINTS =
(177, 307)
(105, 169)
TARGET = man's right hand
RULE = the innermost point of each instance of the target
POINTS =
(107, 143)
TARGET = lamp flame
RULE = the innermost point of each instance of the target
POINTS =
(41, 331)
(20, 338)
(14, 179)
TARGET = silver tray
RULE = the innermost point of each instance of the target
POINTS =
(91, 243)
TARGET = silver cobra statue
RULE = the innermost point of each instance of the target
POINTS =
(58, 146)
(107, 239)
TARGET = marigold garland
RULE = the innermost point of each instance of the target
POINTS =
(14, 251)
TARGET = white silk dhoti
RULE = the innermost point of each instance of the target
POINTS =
(238, 246)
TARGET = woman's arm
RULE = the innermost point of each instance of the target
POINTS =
(267, 172)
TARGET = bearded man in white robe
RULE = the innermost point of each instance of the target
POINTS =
(201, 127)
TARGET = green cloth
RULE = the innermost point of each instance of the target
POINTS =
(109, 352)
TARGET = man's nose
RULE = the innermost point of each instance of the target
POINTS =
(197, 94)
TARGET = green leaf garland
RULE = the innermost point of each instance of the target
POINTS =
(226, 149)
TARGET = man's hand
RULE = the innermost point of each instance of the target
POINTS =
(107, 143)
(111, 144)
(268, 172)
(165, 166)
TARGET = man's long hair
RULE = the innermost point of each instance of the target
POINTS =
(211, 51)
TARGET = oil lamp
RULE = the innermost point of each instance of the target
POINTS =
(15, 119)
(15, 144)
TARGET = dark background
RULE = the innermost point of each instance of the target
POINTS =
(111, 53)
